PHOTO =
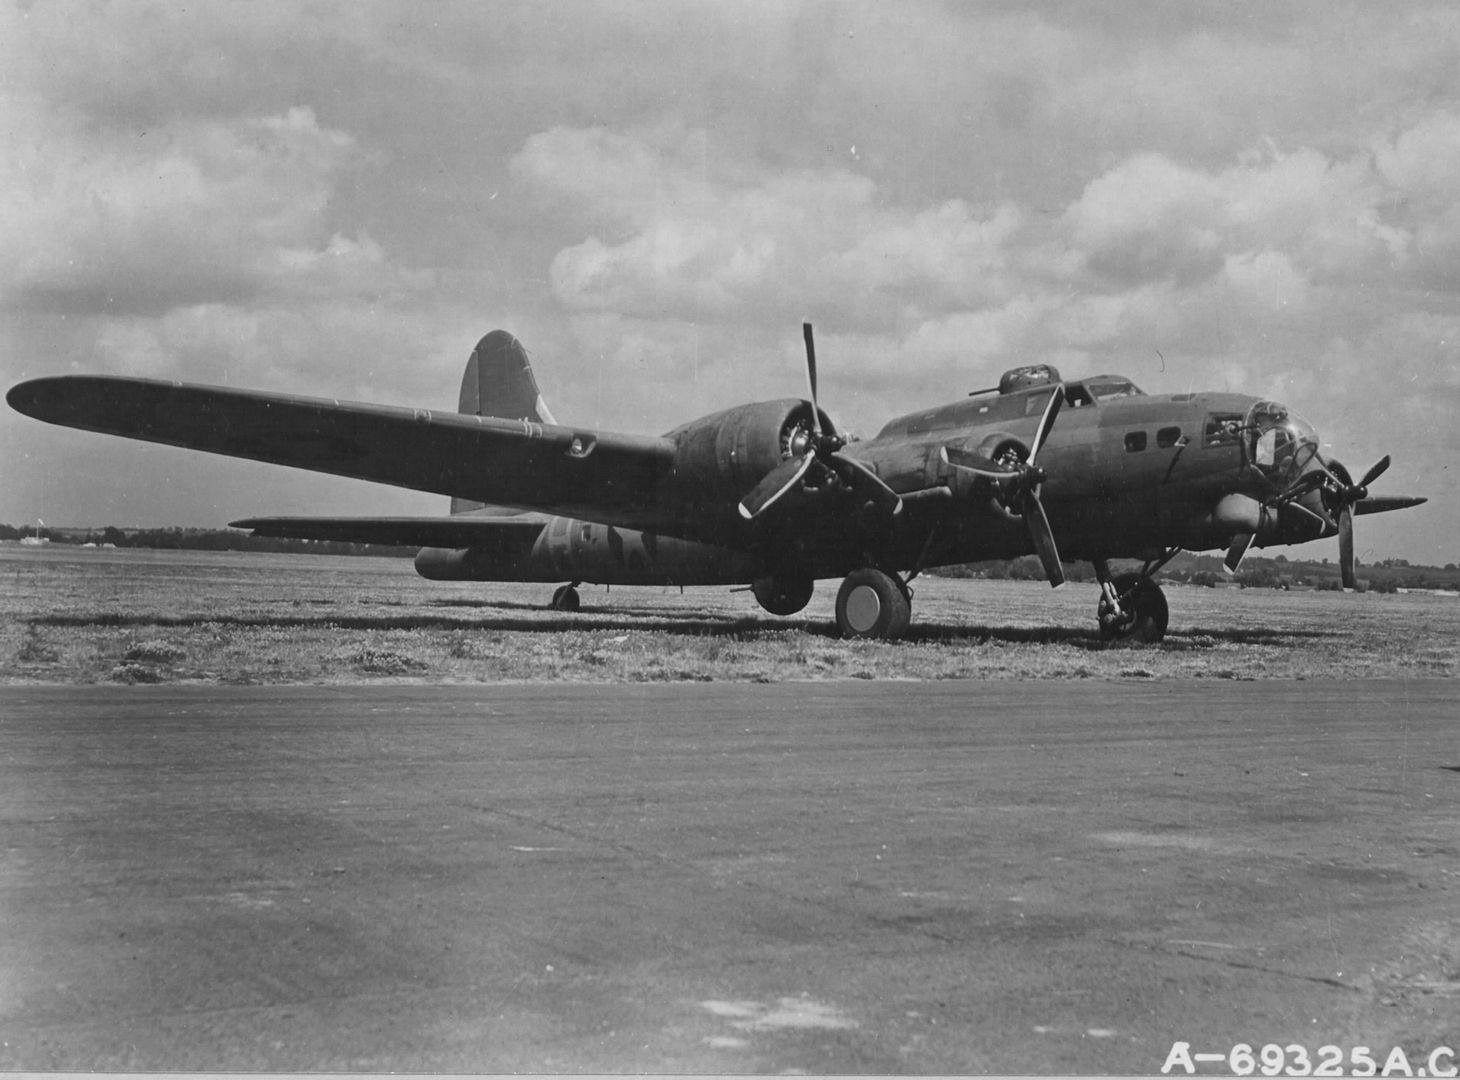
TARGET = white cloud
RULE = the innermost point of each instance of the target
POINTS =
(195, 212)
(677, 234)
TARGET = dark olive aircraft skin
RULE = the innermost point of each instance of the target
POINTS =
(770, 494)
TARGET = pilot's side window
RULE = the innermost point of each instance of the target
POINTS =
(1135, 440)
(1222, 429)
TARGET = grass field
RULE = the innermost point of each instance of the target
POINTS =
(72, 615)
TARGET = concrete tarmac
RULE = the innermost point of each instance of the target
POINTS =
(950, 877)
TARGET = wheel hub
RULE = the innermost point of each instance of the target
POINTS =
(864, 607)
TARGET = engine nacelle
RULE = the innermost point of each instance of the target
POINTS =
(724, 455)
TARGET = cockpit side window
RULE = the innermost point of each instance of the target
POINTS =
(1222, 429)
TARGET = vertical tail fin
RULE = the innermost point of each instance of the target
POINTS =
(499, 382)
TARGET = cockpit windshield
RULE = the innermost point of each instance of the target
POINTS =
(1105, 387)
(1280, 444)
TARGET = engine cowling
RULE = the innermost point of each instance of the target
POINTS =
(724, 455)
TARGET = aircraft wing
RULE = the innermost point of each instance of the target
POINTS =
(605, 477)
(445, 532)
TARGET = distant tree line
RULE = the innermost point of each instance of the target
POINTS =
(1258, 572)
(175, 538)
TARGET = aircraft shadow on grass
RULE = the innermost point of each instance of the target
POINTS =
(688, 623)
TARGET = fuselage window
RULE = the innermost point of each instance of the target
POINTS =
(1135, 440)
(1168, 437)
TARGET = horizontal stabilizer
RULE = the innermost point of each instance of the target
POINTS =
(461, 531)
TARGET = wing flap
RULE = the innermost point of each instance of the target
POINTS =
(603, 476)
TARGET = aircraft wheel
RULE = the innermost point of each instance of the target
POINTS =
(782, 596)
(1144, 613)
(565, 599)
(871, 604)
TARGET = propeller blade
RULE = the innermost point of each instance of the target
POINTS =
(775, 484)
(811, 377)
(1039, 531)
(1238, 551)
(1346, 548)
(1379, 504)
(1051, 410)
(867, 484)
(967, 462)
(1377, 471)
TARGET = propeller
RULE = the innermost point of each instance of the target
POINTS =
(1344, 496)
(1341, 497)
(1029, 484)
(1020, 486)
(824, 447)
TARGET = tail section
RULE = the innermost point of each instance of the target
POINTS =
(499, 382)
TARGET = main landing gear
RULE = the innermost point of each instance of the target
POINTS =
(873, 604)
(565, 598)
(1132, 606)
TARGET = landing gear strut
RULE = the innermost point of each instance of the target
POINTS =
(1132, 606)
(565, 598)
(873, 604)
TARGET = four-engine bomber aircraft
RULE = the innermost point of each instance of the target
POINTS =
(772, 495)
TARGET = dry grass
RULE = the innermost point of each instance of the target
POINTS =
(95, 616)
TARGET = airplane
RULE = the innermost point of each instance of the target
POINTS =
(772, 495)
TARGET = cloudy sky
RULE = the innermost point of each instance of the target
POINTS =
(340, 198)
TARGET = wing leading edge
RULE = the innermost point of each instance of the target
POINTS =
(612, 478)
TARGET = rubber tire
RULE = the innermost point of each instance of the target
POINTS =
(782, 596)
(1147, 610)
(871, 604)
(565, 599)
